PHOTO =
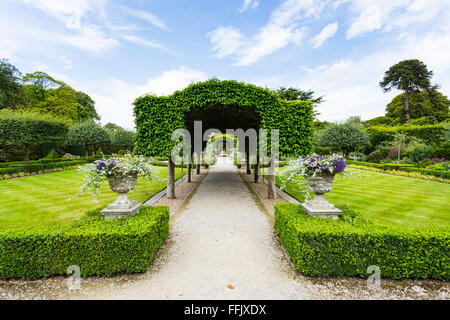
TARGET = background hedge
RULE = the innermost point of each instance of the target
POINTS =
(97, 246)
(430, 134)
(348, 246)
(157, 117)
(402, 167)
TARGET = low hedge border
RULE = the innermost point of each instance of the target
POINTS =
(38, 166)
(402, 167)
(416, 175)
(348, 246)
(98, 247)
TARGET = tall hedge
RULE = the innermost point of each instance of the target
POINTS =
(30, 129)
(431, 134)
(347, 247)
(157, 117)
(97, 246)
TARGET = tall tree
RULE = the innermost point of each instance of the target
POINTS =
(11, 92)
(409, 76)
(86, 107)
(291, 94)
(87, 134)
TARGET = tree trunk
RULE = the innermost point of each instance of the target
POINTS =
(170, 179)
(189, 171)
(182, 169)
(249, 171)
(256, 171)
(189, 168)
(86, 153)
(272, 192)
(27, 156)
(407, 116)
(198, 163)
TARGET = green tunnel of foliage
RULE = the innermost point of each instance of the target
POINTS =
(221, 105)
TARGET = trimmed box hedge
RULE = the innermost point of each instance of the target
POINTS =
(348, 246)
(402, 167)
(98, 247)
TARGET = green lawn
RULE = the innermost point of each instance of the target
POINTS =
(389, 199)
(44, 199)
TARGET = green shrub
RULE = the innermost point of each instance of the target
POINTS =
(348, 246)
(418, 152)
(97, 246)
(52, 155)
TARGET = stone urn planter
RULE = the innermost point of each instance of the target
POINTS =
(123, 206)
(318, 206)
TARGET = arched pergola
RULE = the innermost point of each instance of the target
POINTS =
(221, 105)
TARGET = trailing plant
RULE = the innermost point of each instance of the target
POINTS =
(102, 170)
(309, 168)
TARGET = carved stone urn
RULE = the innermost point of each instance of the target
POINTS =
(318, 206)
(123, 206)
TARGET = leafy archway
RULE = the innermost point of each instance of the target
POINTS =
(222, 105)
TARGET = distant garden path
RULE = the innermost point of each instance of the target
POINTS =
(222, 246)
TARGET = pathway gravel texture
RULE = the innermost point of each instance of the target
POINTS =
(222, 245)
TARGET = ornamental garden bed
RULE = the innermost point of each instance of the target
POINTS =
(348, 246)
(98, 247)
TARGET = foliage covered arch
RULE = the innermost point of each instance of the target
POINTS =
(222, 105)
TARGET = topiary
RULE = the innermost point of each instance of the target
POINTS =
(52, 155)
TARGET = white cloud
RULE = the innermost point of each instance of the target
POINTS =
(114, 97)
(406, 15)
(281, 30)
(226, 41)
(146, 16)
(90, 38)
(248, 4)
(70, 12)
(66, 62)
(326, 33)
(351, 86)
(144, 42)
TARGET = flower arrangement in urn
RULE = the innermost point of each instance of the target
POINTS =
(121, 173)
(319, 172)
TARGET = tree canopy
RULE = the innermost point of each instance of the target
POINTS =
(38, 91)
(409, 76)
(25, 128)
(87, 134)
(11, 92)
(421, 104)
(345, 136)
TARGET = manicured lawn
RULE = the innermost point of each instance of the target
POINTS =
(44, 199)
(389, 199)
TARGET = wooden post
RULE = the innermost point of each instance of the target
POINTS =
(189, 169)
(272, 192)
(170, 179)
(249, 171)
(256, 171)
(198, 163)
(182, 169)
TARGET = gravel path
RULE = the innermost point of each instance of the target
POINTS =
(222, 246)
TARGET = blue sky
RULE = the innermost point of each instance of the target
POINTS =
(117, 50)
